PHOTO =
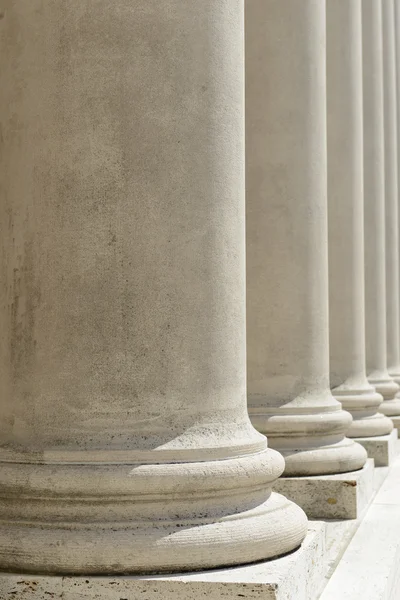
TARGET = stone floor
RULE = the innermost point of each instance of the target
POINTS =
(369, 568)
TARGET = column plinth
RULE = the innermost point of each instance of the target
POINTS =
(125, 443)
(345, 221)
(287, 264)
(376, 276)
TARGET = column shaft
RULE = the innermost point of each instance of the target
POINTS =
(374, 207)
(391, 196)
(125, 440)
(287, 281)
(345, 221)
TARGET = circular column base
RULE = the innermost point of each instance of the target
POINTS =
(145, 518)
(340, 457)
(372, 426)
(363, 405)
(312, 443)
(388, 388)
(390, 408)
(267, 531)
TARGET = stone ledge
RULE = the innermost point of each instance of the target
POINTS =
(396, 422)
(382, 448)
(370, 566)
(342, 496)
(296, 575)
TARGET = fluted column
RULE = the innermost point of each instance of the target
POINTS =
(345, 221)
(125, 440)
(374, 207)
(287, 283)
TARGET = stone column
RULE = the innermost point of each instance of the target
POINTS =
(125, 440)
(391, 197)
(345, 221)
(287, 239)
(396, 420)
(374, 209)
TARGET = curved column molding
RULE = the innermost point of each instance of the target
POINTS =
(374, 208)
(391, 194)
(345, 222)
(125, 440)
(287, 300)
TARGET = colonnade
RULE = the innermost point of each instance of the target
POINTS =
(151, 172)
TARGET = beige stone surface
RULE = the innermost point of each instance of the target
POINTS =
(287, 263)
(125, 440)
(342, 496)
(295, 576)
(396, 422)
(391, 199)
(369, 568)
(383, 449)
(345, 221)
(374, 209)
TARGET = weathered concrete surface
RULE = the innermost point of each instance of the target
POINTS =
(382, 449)
(287, 240)
(125, 440)
(342, 496)
(374, 209)
(346, 221)
(296, 575)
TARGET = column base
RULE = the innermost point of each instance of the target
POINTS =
(363, 404)
(371, 426)
(382, 449)
(396, 422)
(138, 518)
(390, 408)
(342, 496)
(292, 576)
(340, 457)
(388, 388)
(312, 443)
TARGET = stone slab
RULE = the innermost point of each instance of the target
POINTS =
(342, 496)
(382, 448)
(370, 566)
(295, 575)
(396, 422)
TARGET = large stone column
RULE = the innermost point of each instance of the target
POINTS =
(345, 221)
(374, 209)
(125, 440)
(396, 420)
(287, 239)
(391, 198)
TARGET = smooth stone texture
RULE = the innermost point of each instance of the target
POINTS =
(397, 62)
(370, 567)
(345, 221)
(391, 199)
(374, 208)
(339, 533)
(389, 491)
(126, 444)
(287, 240)
(296, 575)
(396, 422)
(343, 496)
(383, 449)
